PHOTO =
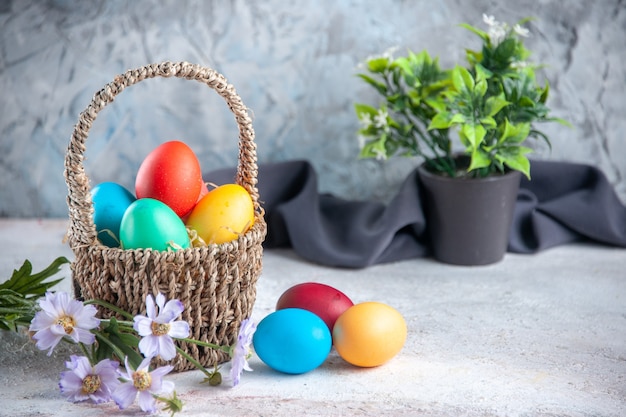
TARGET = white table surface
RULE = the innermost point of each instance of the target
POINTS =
(534, 335)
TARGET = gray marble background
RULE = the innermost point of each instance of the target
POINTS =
(294, 65)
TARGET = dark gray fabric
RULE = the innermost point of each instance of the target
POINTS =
(563, 203)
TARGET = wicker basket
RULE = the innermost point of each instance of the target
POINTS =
(216, 283)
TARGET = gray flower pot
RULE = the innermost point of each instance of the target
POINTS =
(469, 219)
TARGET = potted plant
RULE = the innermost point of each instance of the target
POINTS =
(470, 125)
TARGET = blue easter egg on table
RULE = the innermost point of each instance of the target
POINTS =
(110, 201)
(292, 341)
(151, 224)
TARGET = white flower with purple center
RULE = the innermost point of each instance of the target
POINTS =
(159, 327)
(143, 384)
(59, 317)
(241, 351)
(83, 381)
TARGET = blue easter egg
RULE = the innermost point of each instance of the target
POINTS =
(151, 224)
(292, 341)
(110, 201)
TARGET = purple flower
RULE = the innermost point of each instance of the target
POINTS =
(84, 381)
(61, 316)
(158, 329)
(241, 351)
(143, 383)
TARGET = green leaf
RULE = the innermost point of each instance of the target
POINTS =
(515, 158)
(489, 122)
(538, 134)
(437, 104)
(483, 35)
(479, 159)
(560, 121)
(366, 151)
(506, 51)
(19, 294)
(544, 93)
(494, 104)
(378, 65)
(474, 134)
(481, 88)
(526, 102)
(458, 119)
(457, 79)
(379, 86)
(23, 282)
(376, 148)
(462, 79)
(442, 120)
(362, 109)
(398, 102)
(514, 133)
(15, 310)
(524, 20)
(482, 73)
(114, 342)
(405, 66)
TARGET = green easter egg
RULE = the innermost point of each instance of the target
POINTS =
(151, 224)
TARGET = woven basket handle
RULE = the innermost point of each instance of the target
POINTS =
(82, 230)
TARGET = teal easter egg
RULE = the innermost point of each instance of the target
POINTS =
(110, 201)
(151, 224)
(292, 341)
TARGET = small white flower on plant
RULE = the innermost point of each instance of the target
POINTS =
(390, 52)
(159, 327)
(388, 55)
(521, 31)
(362, 140)
(241, 351)
(380, 120)
(381, 155)
(83, 381)
(490, 20)
(497, 31)
(497, 34)
(519, 64)
(143, 384)
(61, 316)
(365, 119)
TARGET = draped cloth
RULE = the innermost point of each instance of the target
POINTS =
(564, 203)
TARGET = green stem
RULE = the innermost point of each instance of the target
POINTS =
(225, 349)
(110, 307)
(89, 356)
(118, 352)
(192, 360)
(124, 324)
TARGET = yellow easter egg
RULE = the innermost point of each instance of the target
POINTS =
(369, 334)
(223, 214)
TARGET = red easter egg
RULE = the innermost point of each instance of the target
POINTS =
(323, 300)
(171, 174)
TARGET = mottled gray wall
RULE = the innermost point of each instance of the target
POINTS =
(293, 63)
